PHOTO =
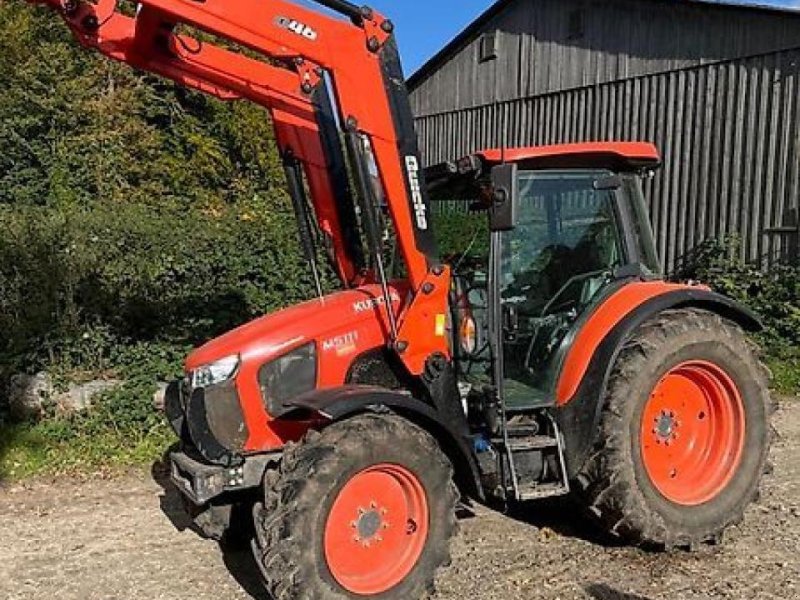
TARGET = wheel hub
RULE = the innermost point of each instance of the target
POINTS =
(666, 427)
(370, 524)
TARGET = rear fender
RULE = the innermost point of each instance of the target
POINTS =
(342, 403)
(579, 413)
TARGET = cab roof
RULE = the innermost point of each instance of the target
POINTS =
(616, 156)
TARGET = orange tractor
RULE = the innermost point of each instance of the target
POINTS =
(547, 358)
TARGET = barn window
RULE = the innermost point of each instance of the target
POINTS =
(576, 24)
(489, 46)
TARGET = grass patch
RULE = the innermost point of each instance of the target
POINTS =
(785, 374)
(122, 429)
(32, 450)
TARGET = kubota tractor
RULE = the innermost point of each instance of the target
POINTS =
(549, 357)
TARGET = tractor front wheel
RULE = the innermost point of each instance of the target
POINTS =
(365, 508)
(685, 433)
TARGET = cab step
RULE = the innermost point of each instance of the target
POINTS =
(536, 462)
(534, 442)
(544, 490)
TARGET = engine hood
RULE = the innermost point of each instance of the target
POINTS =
(272, 335)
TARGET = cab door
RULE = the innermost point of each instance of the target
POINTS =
(548, 271)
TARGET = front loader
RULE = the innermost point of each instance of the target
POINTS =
(547, 358)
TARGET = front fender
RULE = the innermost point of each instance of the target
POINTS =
(338, 404)
(584, 377)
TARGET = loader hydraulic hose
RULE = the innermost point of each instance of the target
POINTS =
(374, 240)
(297, 192)
(348, 9)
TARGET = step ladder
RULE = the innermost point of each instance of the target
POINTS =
(519, 440)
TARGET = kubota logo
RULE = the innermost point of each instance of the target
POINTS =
(420, 211)
(296, 27)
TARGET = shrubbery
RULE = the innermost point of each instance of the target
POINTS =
(131, 211)
(773, 294)
(99, 290)
(137, 219)
(133, 273)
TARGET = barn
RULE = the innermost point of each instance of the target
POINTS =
(716, 86)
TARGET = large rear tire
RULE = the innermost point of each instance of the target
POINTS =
(364, 509)
(685, 433)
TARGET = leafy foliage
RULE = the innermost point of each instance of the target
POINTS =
(774, 295)
(137, 219)
(130, 209)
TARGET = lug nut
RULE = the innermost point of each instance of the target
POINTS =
(90, 23)
(70, 7)
(387, 26)
(373, 45)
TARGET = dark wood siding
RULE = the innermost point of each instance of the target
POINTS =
(691, 79)
(537, 53)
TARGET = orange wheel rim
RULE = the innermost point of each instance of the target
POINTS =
(377, 529)
(693, 433)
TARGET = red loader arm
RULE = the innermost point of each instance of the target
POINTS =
(307, 58)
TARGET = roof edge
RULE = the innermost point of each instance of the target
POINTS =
(462, 39)
(468, 33)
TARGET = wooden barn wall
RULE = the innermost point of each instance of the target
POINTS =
(545, 46)
(729, 133)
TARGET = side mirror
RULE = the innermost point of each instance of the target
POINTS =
(503, 213)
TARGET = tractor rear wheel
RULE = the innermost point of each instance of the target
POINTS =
(365, 508)
(685, 433)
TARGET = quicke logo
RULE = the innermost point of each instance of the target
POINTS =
(420, 210)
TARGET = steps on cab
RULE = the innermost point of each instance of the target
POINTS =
(534, 456)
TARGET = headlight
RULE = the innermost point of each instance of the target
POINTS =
(215, 373)
(288, 377)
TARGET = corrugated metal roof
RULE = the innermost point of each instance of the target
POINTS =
(472, 30)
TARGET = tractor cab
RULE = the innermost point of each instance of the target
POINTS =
(567, 226)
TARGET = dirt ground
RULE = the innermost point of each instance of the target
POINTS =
(124, 538)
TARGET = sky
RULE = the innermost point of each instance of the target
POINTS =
(425, 26)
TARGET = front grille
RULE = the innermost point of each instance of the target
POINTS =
(215, 423)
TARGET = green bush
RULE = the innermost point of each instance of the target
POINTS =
(773, 294)
(77, 283)
(137, 219)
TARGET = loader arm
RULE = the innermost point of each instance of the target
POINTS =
(302, 67)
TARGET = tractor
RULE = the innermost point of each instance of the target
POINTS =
(549, 358)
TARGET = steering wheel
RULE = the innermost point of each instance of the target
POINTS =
(551, 307)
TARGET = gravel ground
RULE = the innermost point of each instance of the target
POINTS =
(111, 539)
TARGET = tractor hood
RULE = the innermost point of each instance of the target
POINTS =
(316, 320)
